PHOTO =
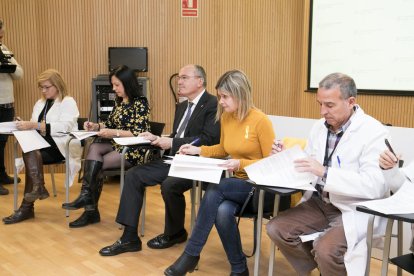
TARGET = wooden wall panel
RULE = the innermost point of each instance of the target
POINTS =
(265, 38)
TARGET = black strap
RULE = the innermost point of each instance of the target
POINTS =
(249, 196)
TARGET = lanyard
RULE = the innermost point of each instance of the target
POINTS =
(328, 157)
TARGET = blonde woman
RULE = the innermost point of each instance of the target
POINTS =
(246, 136)
(55, 112)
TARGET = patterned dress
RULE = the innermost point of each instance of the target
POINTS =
(132, 117)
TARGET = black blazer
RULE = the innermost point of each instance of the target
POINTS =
(201, 125)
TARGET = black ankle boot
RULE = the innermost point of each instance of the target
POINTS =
(25, 211)
(244, 273)
(89, 185)
(182, 265)
(87, 217)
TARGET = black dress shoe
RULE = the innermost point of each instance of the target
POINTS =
(3, 191)
(121, 247)
(182, 265)
(87, 217)
(164, 241)
(5, 179)
(21, 214)
(244, 273)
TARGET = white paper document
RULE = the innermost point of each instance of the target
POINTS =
(30, 140)
(278, 170)
(402, 202)
(310, 237)
(82, 134)
(8, 127)
(196, 168)
(127, 141)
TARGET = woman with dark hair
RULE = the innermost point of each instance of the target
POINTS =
(129, 117)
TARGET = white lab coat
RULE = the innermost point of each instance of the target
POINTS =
(353, 178)
(62, 117)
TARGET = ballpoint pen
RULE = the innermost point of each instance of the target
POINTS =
(195, 141)
(387, 143)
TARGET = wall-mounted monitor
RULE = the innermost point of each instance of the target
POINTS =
(136, 58)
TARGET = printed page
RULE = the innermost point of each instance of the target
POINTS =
(278, 170)
(127, 141)
(81, 134)
(30, 140)
(196, 168)
(399, 203)
(8, 127)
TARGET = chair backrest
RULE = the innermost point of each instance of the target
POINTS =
(81, 121)
(157, 128)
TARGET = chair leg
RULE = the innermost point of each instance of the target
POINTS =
(142, 217)
(52, 174)
(370, 231)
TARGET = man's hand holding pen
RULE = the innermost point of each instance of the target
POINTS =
(388, 159)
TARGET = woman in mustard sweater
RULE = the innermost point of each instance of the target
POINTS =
(246, 136)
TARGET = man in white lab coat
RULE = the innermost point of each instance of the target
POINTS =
(343, 149)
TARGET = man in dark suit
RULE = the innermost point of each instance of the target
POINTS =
(194, 120)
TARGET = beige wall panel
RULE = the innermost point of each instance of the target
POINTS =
(265, 38)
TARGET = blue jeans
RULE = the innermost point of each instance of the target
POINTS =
(219, 206)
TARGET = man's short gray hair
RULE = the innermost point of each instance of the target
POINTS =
(345, 83)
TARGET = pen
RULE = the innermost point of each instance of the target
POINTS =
(339, 161)
(390, 148)
(195, 141)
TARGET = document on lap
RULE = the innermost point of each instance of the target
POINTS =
(8, 127)
(128, 141)
(196, 168)
(399, 203)
(278, 170)
(30, 140)
(82, 134)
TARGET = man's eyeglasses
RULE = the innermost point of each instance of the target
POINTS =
(45, 87)
(185, 77)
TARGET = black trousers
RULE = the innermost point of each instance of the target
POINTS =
(6, 115)
(172, 189)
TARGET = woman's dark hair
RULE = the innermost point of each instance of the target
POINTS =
(129, 81)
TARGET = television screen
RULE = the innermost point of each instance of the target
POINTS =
(136, 58)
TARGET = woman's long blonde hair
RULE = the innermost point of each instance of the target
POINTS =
(237, 85)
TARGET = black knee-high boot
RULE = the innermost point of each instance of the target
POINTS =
(26, 209)
(92, 170)
(91, 214)
(34, 170)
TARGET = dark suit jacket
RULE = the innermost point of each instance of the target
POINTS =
(201, 125)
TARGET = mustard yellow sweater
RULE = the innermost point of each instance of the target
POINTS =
(249, 140)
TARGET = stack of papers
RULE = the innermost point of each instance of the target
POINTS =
(8, 127)
(278, 170)
(197, 168)
(399, 203)
(127, 141)
(83, 134)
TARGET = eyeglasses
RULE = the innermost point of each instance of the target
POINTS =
(45, 87)
(184, 77)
